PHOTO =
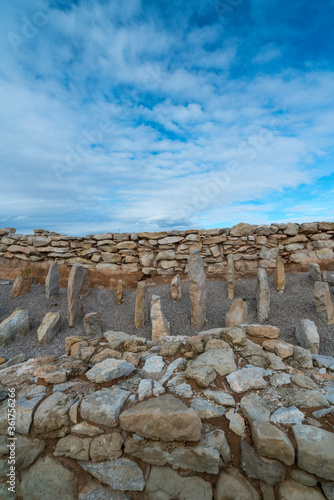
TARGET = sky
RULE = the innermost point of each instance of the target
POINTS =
(150, 115)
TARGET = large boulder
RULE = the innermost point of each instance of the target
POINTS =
(164, 418)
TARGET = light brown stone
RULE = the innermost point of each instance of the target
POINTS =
(119, 294)
(175, 286)
(323, 302)
(140, 312)
(160, 326)
(22, 284)
(197, 289)
(49, 328)
(279, 275)
(267, 331)
(75, 283)
(163, 418)
(230, 277)
(237, 313)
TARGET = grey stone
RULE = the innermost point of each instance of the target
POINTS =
(304, 382)
(13, 327)
(287, 416)
(27, 449)
(270, 472)
(314, 271)
(199, 371)
(86, 429)
(237, 423)
(92, 325)
(302, 399)
(73, 447)
(205, 409)
(103, 407)
(246, 378)
(221, 360)
(106, 447)
(303, 477)
(307, 335)
(323, 302)
(121, 474)
(328, 489)
(232, 485)
(166, 484)
(52, 281)
(76, 281)
(51, 419)
(256, 408)
(220, 397)
(48, 479)
(94, 490)
(323, 361)
(13, 361)
(303, 357)
(144, 389)
(109, 369)
(153, 365)
(271, 442)
(262, 296)
(315, 450)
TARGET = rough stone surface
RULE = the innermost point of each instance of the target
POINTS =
(315, 450)
(230, 276)
(197, 289)
(92, 325)
(293, 490)
(203, 374)
(106, 447)
(75, 284)
(109, 369)
(166, 484)
(48, 479)
(287, 416)
(52, 281)
(232, 485)
(73, 447)
(121, 474)
(22, 283)
(262, 296)
(221, 360)
(15, 326)
(323, 302)
(237, 313)
(103, 407)
(267, 331)
(49, 328)
(256, 408)
(307, 335)
(175, 286)
(165, 418)
(245, 379)
(270, 472)
(141, 308)
(51, 419)
(315, 272)
(279, 278)
(271, 442)
(160, 326)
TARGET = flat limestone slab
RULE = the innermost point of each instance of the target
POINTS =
(164, 418)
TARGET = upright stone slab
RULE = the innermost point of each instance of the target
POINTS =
(279, 275)
(230, 277)
(92, 325)
(237, 313)
(16, 325)
(175, 287)
(49, 328)
(52, 281)
(197, 290)
(160, 326)
(75, 283)
(315, 272)
(262, 296)
(119, 296)
(140, 312)
(22, 284)
(323, 302)
(307, 335)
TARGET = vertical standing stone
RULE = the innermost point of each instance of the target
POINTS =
(52, 281)
(92, 325)
(230, 277)
(323, 302)
(22, 284)
(197, 292)
(315, 272)
(119, 295)
(262, 296)
(85, 290)
(279, 275)
(140, 313)
(237, 313)
(75, 283)
(160, 326)
(175, 287)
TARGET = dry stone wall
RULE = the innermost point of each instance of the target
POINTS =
(134, 256)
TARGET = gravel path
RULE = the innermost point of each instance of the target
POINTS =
(286, 310)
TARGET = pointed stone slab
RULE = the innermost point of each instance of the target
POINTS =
(52, 281)
(197, 289)
(75, 283)
(140, 312)
(279, 278)
(160, 326)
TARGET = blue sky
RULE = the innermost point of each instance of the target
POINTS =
(152, 115)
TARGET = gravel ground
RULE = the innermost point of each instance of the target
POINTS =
(286, 310)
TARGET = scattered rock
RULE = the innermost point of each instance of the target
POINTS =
(153, 365)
